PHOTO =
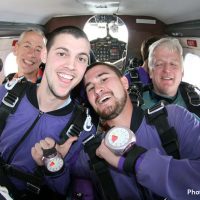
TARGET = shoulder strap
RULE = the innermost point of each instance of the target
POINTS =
(157, 115)
(101, 169)
(10, 101)
(190, 97)
(73, 128)
(76, 124)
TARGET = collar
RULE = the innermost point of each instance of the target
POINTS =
(170, 100)
(65, 109)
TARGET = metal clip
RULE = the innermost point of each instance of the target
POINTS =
(10, 84)
(88, 122)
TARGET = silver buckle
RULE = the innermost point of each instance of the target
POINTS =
(156, 109)
(11, 105)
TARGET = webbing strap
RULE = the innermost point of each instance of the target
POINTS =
(101, 169)
(11, 101)
(75, 126)
(33, 180)
(157, 116)
(191, 97)
(14, 172)
(131, 158)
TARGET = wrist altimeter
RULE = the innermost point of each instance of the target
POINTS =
(120, 139)
(52, 159)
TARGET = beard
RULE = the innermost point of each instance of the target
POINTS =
(114, 110)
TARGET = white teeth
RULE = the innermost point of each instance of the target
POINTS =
(28, 62)
(167, 78)
(101, 100)
(65, 76)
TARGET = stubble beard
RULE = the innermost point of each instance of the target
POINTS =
(114, 110)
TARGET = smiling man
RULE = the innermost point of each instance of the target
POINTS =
(44, 110)
(165, 64)
(28, 54)
(145, 170)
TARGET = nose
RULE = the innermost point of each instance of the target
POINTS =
(70, 63)
(98, 89)
(32, 52)
(167, 67)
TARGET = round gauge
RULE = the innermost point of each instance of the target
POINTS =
(119, 138)
(54, 164)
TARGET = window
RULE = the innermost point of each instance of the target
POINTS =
(108, 36)
(192, 69)
(10, 65)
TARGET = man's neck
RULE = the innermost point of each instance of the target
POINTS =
(48, 102)
(30, 77)
(124, 118)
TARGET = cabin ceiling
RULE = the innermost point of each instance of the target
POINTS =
(40, 11)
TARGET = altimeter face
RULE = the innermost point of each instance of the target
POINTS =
(54, 164)
(118, 139)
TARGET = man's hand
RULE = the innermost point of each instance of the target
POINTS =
(48, 143)
(104, 152)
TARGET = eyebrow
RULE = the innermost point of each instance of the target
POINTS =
(31, 44)
(99, 75)
(67, 50)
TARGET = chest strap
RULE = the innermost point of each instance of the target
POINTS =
(101, 169)
(157, 116)
(10, 101)
(33, 181)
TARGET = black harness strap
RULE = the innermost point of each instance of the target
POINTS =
(11, 100)
(101, 169)
(157, 115)
(75, 126)
(191, 97)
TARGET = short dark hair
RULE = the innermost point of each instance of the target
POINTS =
(110, 66)
(145, 46)
(72, 30)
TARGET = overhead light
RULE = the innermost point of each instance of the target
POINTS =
(145, 21)
(100, 3)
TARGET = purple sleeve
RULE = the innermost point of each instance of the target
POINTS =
(175, 178)
(121, 163)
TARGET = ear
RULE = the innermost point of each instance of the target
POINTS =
(44, 55)
(15, 48)
(125, 82)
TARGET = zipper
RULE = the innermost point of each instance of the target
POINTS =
(24, 136)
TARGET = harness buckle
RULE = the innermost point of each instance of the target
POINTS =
(133, 74)
(156, 108)
(194, 98)
(86, 140)
(73, 130)
(33, 188)
(10, 100)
